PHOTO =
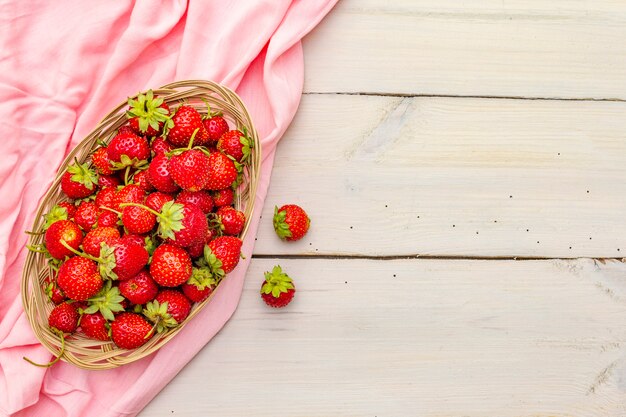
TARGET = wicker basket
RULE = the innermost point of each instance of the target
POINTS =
(92, 354)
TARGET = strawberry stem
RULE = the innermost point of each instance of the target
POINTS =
(83, 254)
(156, 213)
(126, 175)
(110, 209)
(55, 360)
(36, 249)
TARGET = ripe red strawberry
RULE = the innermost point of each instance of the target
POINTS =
(93, 239)
(79, 278)
(227, 250)
(222, 171)
(107, 218)
(200, 285)
(235, 144)
(291, 222)
(108, 181)
(216, 126)
(86, 215)
(178, 306)
(140, 289)
(79, 181)
(202, 199)
(123, 260)
(95, 326)
(69, 207)
(223, 197)
(64, 318)
(147, 114)
(136, 239)
(186, 121)
(137, 220)
(52, 290)
(100, 160)
(141, 180)
(128, 149)
(277, 290)
(106, 197)
(157, 199)
(130, 331)
(171, 266)
(159, 175)
(129, 194)
(193, 225)
(190, 169)
(125, 130)
(160, 145)
(232, 220)
(197, 249)
(65, 230)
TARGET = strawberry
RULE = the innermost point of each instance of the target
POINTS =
(62, 211)
(277, 290)
(108, 181)
(128, 149)
(107, 301)
(79, 181)
(186, 121)
(169, 309)
(157, 199)
(95, 326)
(226, 250)
(171, 266)
(107, 218)
(159, 175)
(235, 144)
(197, 249)
(232, 220)
(190, 169)
(64, 318)
(93, 239)
(86, 215)
(106, 197)
(79, 278)
(125, 130)
(222, 171)
(202, 199)
(123, 260)
(130, 330)
(129, 194)
(160, 146)
(52, 290)
(200, 285)
(62, 230)
(137, 220)
(216, 126)
(136, 239)
(223, 197)
(100, 160)
(147, 114)
(141, 180)
(140, 289)
(291, 222)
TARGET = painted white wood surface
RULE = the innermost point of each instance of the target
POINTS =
(538, 48)
(454, 177)
(440, 338)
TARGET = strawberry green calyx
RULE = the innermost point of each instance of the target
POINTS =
(212, 263)
(202, 278)
(148, 111)
(170, 218)
(106, 262)
(126, 162)
(246, 143)
(157, 313)
(81, 173)
(281, 227)
(57, 213)
(107, 301)
(276, 282)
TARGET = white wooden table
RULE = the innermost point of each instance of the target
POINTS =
(469, 219)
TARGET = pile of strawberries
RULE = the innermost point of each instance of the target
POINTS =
(149, 227)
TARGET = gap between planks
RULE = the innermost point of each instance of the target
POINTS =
(438, 257)
(366, 93)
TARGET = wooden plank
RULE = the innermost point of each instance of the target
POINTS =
(453, 177)
(536, 48)
(426, 338)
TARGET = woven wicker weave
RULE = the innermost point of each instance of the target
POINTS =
(88, 353)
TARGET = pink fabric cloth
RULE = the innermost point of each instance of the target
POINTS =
(62, 67)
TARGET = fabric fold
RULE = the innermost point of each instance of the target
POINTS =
(58, 84)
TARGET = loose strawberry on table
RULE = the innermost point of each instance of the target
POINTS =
(291, 222)
(277, 290)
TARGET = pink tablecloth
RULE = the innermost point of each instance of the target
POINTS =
(64, 64)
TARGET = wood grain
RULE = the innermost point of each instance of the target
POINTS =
(525, 48)
(425, 338)
(385, 176)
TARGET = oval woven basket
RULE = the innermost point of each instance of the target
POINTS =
(92, 354)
